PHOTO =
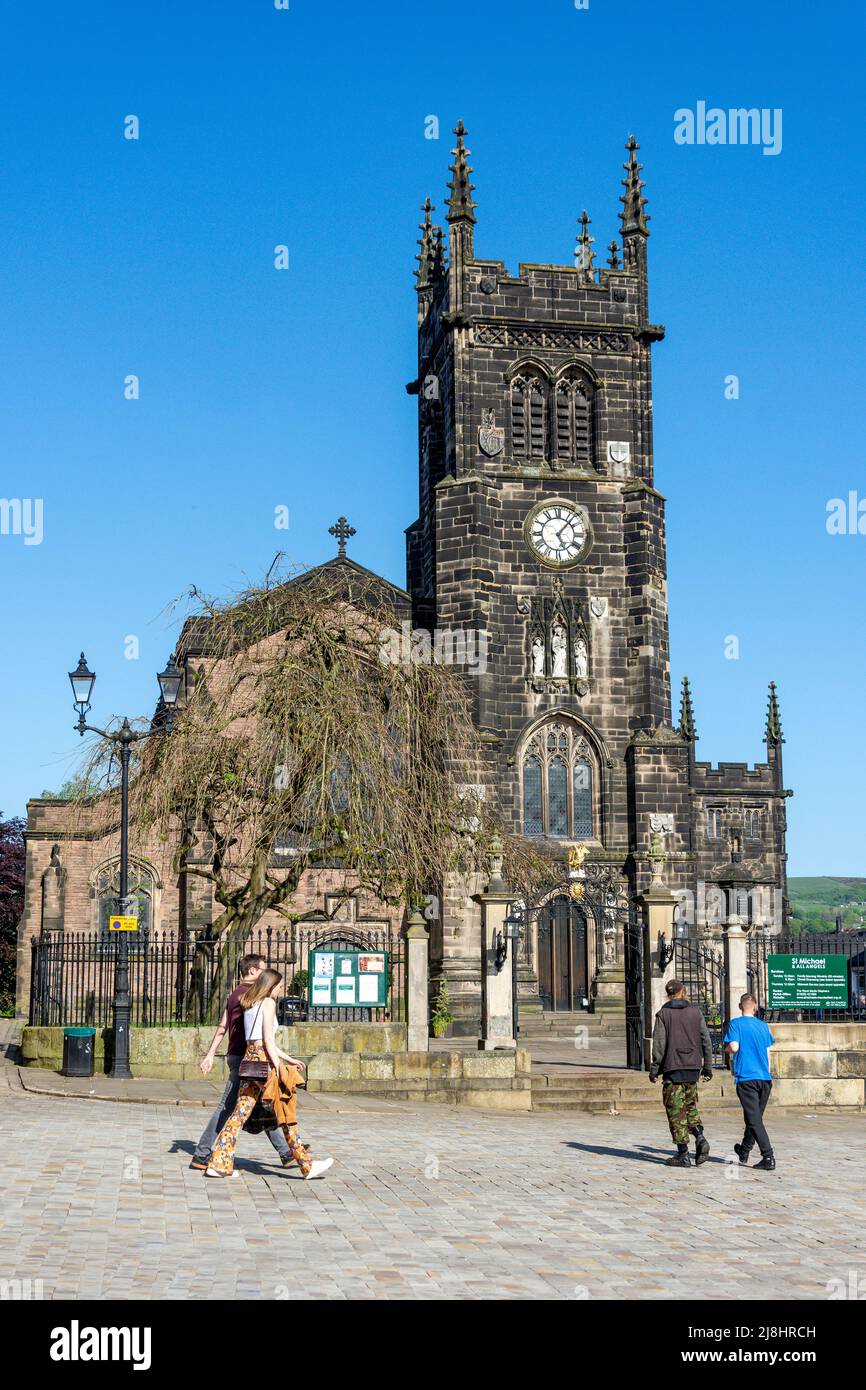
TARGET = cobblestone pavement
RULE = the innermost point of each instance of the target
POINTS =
(432, 1202)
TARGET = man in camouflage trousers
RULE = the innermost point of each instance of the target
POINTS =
(682, 1052)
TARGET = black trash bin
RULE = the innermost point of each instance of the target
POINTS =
(78, 1051)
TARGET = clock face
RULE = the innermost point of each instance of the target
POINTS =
(556, 533)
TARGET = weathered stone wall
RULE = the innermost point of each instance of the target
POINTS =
(359, 1058)
(819, 1064)
(175, 1053)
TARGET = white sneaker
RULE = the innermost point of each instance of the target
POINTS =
(318, 1167)
(215, 1173)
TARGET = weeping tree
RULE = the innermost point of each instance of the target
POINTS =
(301, 723)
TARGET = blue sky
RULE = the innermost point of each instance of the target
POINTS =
(261, 388)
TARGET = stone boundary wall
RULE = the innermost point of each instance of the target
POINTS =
(819, 1064)
(366, 1059)
(486, 1080)
(174, 1053)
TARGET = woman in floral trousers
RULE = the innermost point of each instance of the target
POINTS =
(260, 1017)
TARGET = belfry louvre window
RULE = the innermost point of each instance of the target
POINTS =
(528, 418)
(714, 823)
(558, 788)
(573, 423)
(752, 825)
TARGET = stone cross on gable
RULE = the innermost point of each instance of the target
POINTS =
(342, 530)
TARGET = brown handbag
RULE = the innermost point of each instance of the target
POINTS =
(254, 1070)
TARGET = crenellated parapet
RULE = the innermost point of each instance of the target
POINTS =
(733, 777)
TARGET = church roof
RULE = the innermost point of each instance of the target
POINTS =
(347, 582)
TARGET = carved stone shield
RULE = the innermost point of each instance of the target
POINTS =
(618, 451)
(598, 607)
(491, 441)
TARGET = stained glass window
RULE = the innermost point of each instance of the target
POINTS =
(532, 815)
(557, 783)
(582, 800)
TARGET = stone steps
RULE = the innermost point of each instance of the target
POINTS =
(563, 1025)
(620, 1092)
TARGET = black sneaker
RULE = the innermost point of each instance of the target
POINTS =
(702, 1150)
(200, 1163)
(742, 1154)
(678, 1161)
(766, 1165)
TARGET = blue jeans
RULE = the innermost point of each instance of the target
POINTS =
(204, 1147)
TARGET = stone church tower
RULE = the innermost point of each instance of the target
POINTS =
(541, 528)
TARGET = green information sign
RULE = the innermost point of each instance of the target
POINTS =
(807, 982)
(348, 979)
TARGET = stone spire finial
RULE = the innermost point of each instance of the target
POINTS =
(633, 218)
(427, 247)
(687, 714)
(460, 205)
(774, 719)
(613, 258)
(584, 254)
(342, 530)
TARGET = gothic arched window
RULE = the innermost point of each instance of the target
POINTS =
(574, 422)
(559, 789)
(528, 417)
(140, 888)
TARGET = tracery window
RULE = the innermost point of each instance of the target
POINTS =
(140, 889)
(558, 784)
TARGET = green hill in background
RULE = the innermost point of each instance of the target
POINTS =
(817, 901)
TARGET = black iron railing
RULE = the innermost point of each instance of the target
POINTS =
(702, 971)
(851, 945)
(178, 979)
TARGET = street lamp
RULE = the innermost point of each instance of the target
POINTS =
(513, 923)
(82, 681)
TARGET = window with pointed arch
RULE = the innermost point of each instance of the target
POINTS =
(574, 426)
(558, 784)
(529, 417)
(140, 888)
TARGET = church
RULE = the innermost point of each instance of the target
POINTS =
(540, 543)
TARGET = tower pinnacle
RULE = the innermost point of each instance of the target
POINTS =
(427, 247)
(461, 208)
(583, 252)
(774, 719)
(687, 714)
(633, 218)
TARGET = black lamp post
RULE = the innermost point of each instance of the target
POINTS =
(82, 681)
(513, 923)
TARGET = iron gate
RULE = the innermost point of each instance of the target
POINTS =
(702, 971)
(634, 992)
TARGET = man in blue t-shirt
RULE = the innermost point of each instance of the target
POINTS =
(748, 1039)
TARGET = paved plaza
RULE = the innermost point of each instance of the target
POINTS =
(423, 1202)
